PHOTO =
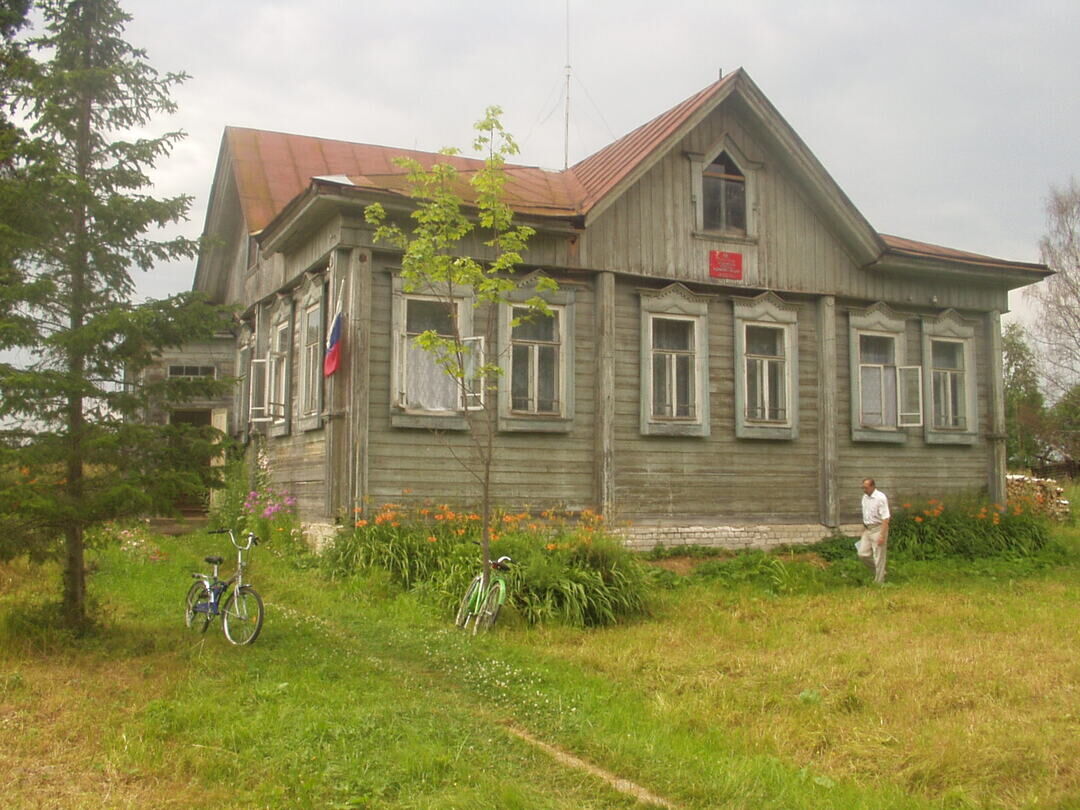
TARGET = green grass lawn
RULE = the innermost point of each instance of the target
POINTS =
(959, 687)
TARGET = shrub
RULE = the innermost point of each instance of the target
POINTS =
(562, 572)
(966, 527)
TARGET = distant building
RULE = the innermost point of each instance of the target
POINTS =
(734, 346)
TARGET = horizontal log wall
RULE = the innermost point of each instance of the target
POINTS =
(719, 476)
(536, 470)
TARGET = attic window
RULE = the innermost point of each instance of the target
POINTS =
(724, 191)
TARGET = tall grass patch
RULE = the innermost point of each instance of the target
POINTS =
(966, 527)
(566, 567)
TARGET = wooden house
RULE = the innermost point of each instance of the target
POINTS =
(734, 348)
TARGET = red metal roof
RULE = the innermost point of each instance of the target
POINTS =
(273, 168)
(601, 172)
(898, 244)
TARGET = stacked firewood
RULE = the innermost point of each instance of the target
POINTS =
(1041, 494)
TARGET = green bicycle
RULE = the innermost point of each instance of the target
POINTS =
(481, 605)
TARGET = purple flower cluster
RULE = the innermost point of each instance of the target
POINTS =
(268, 504)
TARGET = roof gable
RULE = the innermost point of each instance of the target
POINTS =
(272, 169)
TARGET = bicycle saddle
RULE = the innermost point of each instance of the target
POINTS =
(215, 560)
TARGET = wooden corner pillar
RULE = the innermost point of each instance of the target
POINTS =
(360, 322)
(605, 393)
(995, 479)
(828, 452)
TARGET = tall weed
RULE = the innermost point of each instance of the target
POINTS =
(966, 527)
(573, 574)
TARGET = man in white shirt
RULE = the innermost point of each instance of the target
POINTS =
(874, 542)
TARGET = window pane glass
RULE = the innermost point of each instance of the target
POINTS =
(427, 386)
(684, 385)
(519, 378)
(870, 390)
(713, 203)
(669, 334)
(538, 327)
(877, 349)
(660, 396)
(765, 341)
(735, 205)
(548, 393)
(423, 315)
(910, 382)
(313, 325)
(947, 354)
(755, 393)
(777, 396)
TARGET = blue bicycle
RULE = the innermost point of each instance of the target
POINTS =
(241, 609)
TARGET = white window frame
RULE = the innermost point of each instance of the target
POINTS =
(258, 390)
(675, 302)
(184, 368)
(310, 396)
(950, 327)
(879, 320)
(561, 300)
(767, 310)
(279, 367)
(700, 162)
(533, 349)
(400, 414)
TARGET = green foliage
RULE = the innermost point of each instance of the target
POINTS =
(227, 505)
(966, 528)
(1025, 410)
(75, 182)
(571, 574)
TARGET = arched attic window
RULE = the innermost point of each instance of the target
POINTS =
(723, 186)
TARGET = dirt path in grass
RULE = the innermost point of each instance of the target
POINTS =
(560, 755)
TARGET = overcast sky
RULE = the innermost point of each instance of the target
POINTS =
(944, 121)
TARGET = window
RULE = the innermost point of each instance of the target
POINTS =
(536, 353)
(674, 362)
(947, 379)
(673, 366)
(426, 392)
(766, 379)
(258, 410)
(193, 372)
(535, 349)
(279, 367)
(949, 357)
(722, 182)
(766, 368)
(312, 342)
(886, 394)
(723, 187)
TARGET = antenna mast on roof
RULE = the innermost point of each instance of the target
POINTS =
(566, 118)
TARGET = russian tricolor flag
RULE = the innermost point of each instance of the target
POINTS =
(332, 358)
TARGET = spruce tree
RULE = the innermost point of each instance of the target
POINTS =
(73, 338)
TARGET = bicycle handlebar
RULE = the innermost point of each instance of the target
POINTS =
(252, 540)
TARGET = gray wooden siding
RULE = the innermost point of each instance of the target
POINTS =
(298, 459)
(718, 477)
(538, 470)
(649, 231)
(914, 468)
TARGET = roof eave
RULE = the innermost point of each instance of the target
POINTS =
(1009, 275)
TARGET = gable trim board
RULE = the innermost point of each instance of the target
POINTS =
(600, 234)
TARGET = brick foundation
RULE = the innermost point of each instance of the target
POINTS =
(644, 537)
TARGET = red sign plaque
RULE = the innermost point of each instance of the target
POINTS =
(725, 265)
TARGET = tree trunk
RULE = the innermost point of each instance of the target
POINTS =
(74, 605)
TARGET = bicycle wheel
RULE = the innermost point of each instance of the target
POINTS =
(496, 595)
(242, 616)
(466, 610)
(197, 619)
